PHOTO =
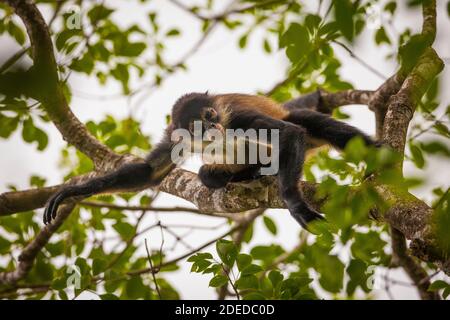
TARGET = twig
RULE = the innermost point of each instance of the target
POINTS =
(361, 61)
(13, 59)
(98, 204)
(186, 255)
(153, 270)
(227, 272)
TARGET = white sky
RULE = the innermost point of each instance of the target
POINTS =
(219, 66)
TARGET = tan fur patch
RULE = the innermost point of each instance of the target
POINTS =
(261, 104)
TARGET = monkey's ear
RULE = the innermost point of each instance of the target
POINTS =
(169, 129)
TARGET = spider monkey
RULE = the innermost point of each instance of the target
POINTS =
(299, 130)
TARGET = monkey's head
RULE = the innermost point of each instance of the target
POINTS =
(194, 107)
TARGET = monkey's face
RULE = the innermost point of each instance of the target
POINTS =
(207, 119)
(196, 112)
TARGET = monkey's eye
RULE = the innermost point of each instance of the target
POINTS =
(210, 114)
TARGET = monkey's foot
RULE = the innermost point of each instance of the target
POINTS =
(307, 217)
(54, 202)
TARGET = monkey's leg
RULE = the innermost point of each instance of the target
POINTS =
(322, 126)
(291, 153)
(218, 175)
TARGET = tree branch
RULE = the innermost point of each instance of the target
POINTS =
(49, 92)
(324, 101)
(29, 253)
(26, 200)
(399, 96)
(402, 105)
(417, 274)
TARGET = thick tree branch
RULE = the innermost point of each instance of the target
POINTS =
(26, 200)
(325, 101)
(402, 105)
(399, 98)
(378, 101)
(49, 91)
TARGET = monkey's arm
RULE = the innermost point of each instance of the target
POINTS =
(218, 175)
(128, 177)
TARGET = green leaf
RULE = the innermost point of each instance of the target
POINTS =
(37, 181)
(368, 247)
(44, 270)
(441, 221)
(270, 225)
(125, 229)
(64, 36)
(391, 7)
(446, 292)
(214, 268)
(296, 41)
(266, 253)
(266, 46)
(243, 41)
(200, 256)
(438, 285)
(435, 147)
(99, 12)
(98, 266)
(173, 33)
(59, 283)
(227, 251)
(355, 150)
(330, 268)
(85, 269)
(135, 288)
(417, 156)
(442, 129)
(17, 33)
(343, 10)
(381, 36)
(200, 265)
(63, 295)
(357, 271)
(218, 281)
(243, 260)
(4, 245)
(254, 296)
(30, 133)
(132, 49)
(412, 50)
(85, 64)
(109, 296)
(296, 34)
(8, 125)
(275, 277)
(247, 282)
(312, 22)
(251, 269)
(121, 74)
